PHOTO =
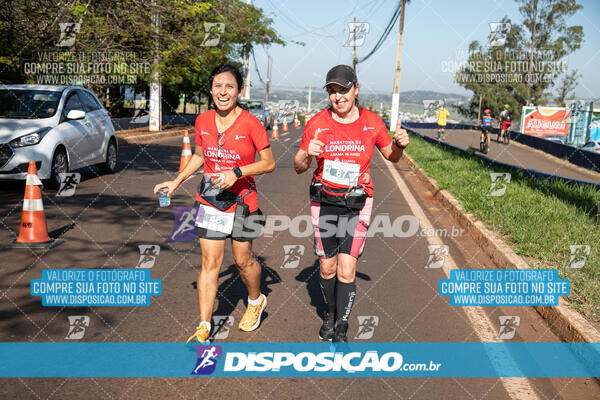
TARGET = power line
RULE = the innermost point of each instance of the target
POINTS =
(256, 68)
(385, 34)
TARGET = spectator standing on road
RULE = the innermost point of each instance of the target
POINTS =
(442, 115)
(342, 139)
(227, 140)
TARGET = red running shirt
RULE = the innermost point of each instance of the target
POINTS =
(239, 145)
(351, 143)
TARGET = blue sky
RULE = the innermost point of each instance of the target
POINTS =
(437, 35)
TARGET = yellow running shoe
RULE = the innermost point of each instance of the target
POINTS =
(202, 334)
(251, 319)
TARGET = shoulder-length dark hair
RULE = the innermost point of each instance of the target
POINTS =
(233, 70)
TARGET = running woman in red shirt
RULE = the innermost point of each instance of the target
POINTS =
(227, 140)
(342, 139)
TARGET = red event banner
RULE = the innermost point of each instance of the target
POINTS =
(545, 121)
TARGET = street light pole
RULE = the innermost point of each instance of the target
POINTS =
(155, 111)
(309, 98)
(396, 93)
(248, 63)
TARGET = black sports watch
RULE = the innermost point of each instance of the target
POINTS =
(238, 172)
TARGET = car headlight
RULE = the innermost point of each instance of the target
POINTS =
(30, 139)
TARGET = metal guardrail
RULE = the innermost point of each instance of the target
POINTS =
(539, 175)
(573, 154)
(139, 122)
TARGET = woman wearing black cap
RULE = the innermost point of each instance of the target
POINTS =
(342, 139)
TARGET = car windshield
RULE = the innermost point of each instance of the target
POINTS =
(253, 105)
(589, 145)
(28, 104)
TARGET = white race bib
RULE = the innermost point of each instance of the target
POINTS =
(341, 173)
(216, 220)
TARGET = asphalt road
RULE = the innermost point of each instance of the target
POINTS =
(517, 154)
(109, 216)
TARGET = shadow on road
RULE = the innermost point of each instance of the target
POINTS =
(232, 290)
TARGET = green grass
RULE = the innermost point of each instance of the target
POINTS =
(538, 220)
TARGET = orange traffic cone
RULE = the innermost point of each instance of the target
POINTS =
(296, 120)
(285, 124)
(275, 133)
(307, 118)
(33, 232)
(186, 151)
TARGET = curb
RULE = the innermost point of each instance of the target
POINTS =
(151, 137)
(567, 323)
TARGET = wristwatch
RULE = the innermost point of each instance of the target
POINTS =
(238, 172)
(398, 146)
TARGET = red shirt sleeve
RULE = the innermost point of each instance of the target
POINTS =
(308, 135)
(197, 135)
(383, 138)
(259, 136)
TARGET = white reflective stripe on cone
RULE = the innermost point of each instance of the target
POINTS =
(33, 205)
(186, 152)
(186, 139)
(33, 180)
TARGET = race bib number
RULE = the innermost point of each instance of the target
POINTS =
(341, 173)
(210, 218)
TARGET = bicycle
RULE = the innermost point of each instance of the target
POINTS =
(483, 144)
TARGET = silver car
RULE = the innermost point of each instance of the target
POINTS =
(260, 111)
(592, 145)
(61, 128)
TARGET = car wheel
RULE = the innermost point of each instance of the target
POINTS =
(109, 166)
(60, 164)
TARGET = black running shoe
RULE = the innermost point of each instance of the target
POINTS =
(327, 329)
(340, 332)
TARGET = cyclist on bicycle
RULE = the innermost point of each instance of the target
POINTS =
(504, 120)
(485, 124)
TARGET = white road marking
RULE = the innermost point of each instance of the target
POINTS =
(517, 388)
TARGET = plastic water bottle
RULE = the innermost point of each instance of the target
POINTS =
(163, 199)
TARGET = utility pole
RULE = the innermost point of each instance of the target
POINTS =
(309, 98)
(248, 65)
(354, 59)
(396, 93)
(268, 79)
(479, 110)
(530, 66)
(155, 117)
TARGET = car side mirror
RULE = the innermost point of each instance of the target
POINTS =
(76, 114)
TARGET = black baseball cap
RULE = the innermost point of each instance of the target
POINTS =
(342, 75)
